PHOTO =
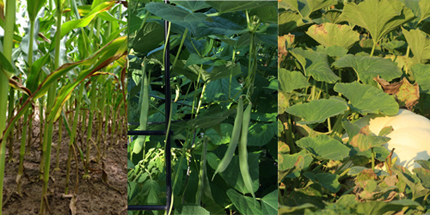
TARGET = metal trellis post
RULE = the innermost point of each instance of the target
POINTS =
(167, 153)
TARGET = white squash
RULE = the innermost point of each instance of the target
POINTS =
(410, 138)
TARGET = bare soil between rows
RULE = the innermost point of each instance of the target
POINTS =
(93, 196)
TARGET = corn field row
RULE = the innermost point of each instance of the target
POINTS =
(62, 69)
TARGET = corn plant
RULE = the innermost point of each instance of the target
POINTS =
(7, 71)
(49, 71)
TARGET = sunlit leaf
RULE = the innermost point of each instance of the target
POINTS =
(419, 43)
(422, 76)
(306, 7)
(291, 80)
(317, 111)
(333, 15)
(369, 67)
(424, 176)
(322, 146)
(424, 164)
(365, 140)
(332, 51)
(379, 17)
(70, 25)
(367, 99)
(328, 34)
(108, 55)
(315, 64)
(417, 188)
(380, 207)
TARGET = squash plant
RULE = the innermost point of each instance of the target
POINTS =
(408, 135)
(345, 69)
(223, 75)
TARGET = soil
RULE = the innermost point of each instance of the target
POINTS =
(93, 197)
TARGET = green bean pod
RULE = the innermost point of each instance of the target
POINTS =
(144, 103)
(243, 153)
(233, 141)
(202, 174)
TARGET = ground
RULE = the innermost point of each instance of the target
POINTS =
(94, 196)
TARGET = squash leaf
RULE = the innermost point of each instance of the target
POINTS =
(369, 67)
(367, 99)
(419, 43)
(322, 146)
(328, 34)
(291, 80)
(312, 112)
(315, 64)
(378, 17)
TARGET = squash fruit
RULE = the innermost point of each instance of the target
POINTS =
(410, 136)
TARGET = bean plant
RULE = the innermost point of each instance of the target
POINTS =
(224, 87)
(340, 61)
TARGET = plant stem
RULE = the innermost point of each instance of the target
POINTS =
(373, 49)
(4, 88)
(73, 135)
(60, 134)
(51, 97)
(4, 85)
(22, 153)
(201, 98)
(212, 14)
(407, 51)
(180, 46)
(10, 111)
(90, 123)
(313, 90)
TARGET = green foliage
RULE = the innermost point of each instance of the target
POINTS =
(338, 62)
(219, 52)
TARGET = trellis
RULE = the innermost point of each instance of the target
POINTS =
(168, 103)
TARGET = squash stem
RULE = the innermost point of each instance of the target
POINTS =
(320, 165)
(313, 90)
(373, 49)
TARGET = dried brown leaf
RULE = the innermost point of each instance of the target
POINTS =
(72, 205)
(388, 88)
(405, 93)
